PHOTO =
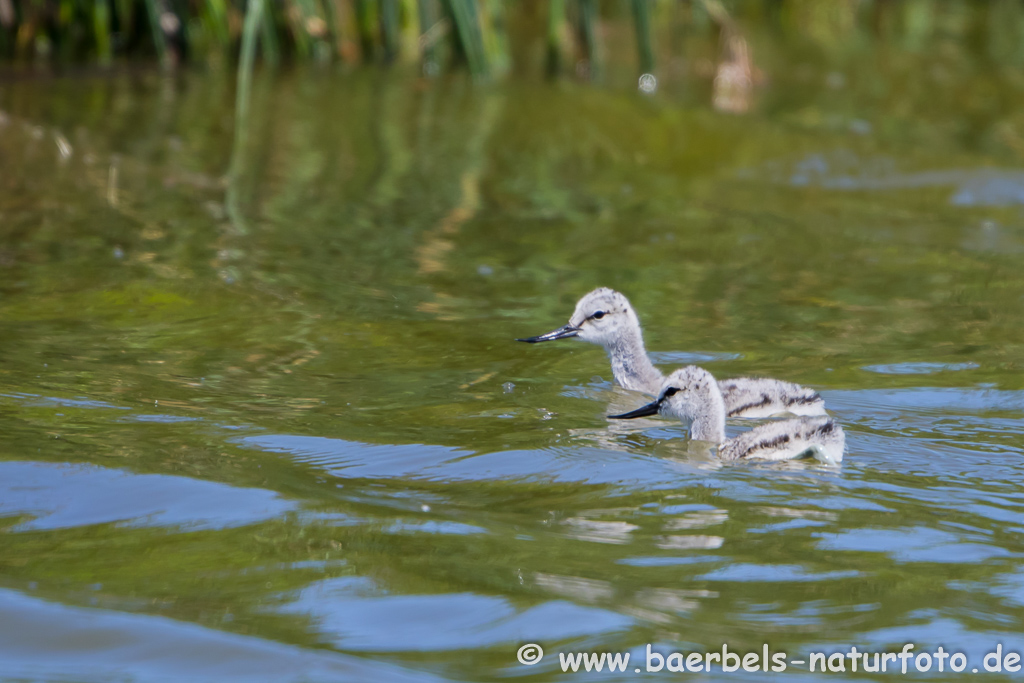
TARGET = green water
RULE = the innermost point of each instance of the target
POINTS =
(303, 445)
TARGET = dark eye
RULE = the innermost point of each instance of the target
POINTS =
(598, 315)
(671, 391)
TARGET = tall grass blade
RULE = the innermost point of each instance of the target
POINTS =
(217, 12)
(101, 26)
(315, 28)
(495, 35)
(390, 31)
(588, 37)
(331, 26)
(126, 19)
(179, 11)
(428, 45)
(345, 30)
(154, 11)
(556, 26)
(297, 12)
(642, 21)
(270, 46)
(475, 27)
(364, 25)
(467, 35)
(409, 30)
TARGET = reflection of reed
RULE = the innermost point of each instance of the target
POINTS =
(244, 87)
(390, 98)
(437, 242)
(734, 73)
(733, 80)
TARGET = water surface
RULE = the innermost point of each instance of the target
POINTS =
(303, 445)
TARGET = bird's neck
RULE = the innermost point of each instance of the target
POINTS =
(631, 366)
(708, 421)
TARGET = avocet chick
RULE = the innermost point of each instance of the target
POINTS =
(692, 394)
(605, 317)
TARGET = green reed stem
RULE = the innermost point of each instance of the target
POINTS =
(126, 18)
(298, 12)
(364, 26)
(642, 21)
(218, 23)
(588, 35)
(181, 8)
(159, 43)
(101, 27)
(495, 35)
(556, 22)
(428, 19)
(269, 45)
(389, 29)
(331, 19)
(476, 32)
(467, 33)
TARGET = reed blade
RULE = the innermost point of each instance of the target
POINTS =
(642, 23)
(495, 35)
(556, 27)
(217, 23)
(270, 46)
(390, 31)
(331, 28)
(126, 19)
(588, 17)
(428, 16)
(101, 26)
(468, 36)
(154, 12)
(364, 26)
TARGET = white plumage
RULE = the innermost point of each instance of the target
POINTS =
(692, 394)
(605, 317)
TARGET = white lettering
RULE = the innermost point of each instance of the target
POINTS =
(998, 656)
(726, 655)
(904, 655)
(852, 654)
(650, 657)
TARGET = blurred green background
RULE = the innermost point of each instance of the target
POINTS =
(489, 37)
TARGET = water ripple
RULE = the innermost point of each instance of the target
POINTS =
(59, 496)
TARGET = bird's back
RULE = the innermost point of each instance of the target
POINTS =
(763, 397)
(821, 437)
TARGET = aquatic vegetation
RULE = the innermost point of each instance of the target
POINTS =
(488, 36)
